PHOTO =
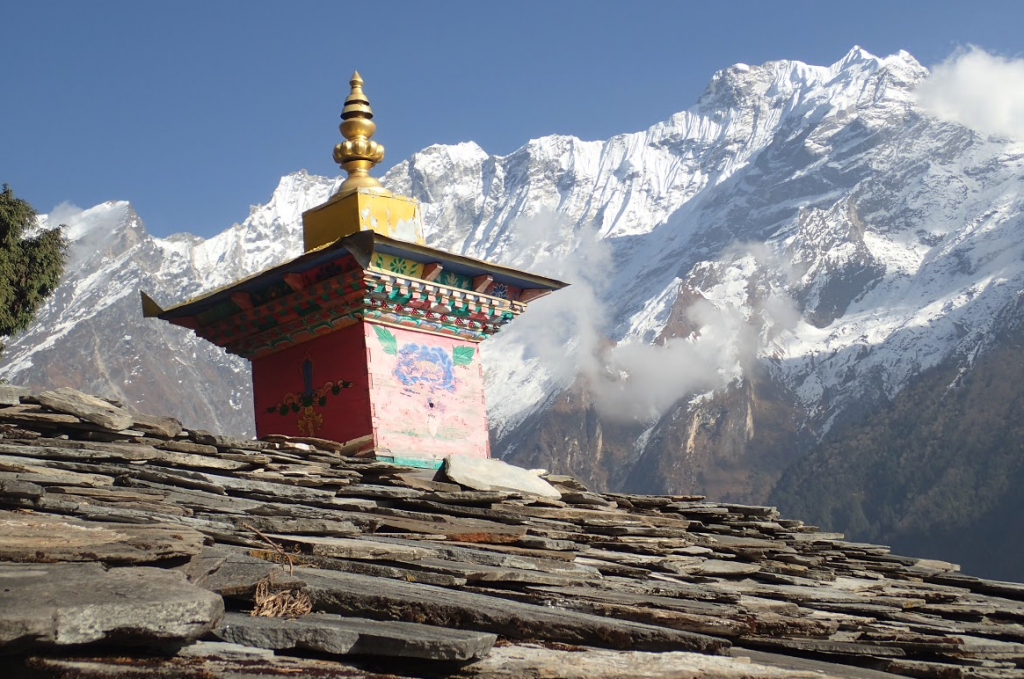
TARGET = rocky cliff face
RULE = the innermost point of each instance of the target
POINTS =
(773, 264)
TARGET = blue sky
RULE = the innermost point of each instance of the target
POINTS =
(194, 110)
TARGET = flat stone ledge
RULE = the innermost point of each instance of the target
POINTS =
(488, 474)
(531, 661)
(340, 635)
(86, 407)
(47, 605)
(41, 538)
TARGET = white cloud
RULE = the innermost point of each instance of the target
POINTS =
(63, 212)
(979, 90)
(641, 382)
(566, 332)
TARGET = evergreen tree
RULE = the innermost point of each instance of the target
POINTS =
(30, 266)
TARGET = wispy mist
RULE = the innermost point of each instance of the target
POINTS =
(568, 331)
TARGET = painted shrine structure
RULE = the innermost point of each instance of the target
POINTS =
(370, 337)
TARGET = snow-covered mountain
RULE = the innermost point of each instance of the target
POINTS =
(773, 263)
(90, 334)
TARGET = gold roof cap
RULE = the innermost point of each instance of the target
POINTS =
(358, 153)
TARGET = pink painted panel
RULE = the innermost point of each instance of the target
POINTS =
(427, 394)
(318, 388)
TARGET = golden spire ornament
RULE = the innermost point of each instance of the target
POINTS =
(357, 154)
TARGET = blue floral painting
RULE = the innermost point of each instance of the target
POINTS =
(423, 365)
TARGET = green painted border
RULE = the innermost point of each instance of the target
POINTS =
(410, 461)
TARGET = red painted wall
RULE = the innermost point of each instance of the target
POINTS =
(301, 381)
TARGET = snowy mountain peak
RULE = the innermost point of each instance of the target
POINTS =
(776, 81)
(856, 55)
(108, 216)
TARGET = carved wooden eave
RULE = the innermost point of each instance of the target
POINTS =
(364, 275)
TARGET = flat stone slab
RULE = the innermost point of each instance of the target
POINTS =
(168, 427)
(223, 649)
(352, 548)
(41, 538)
(351, 594)
(231, 573)
(458, 529)
(45, 474)
(28, 415)
(529, 661)
(86, 407)
(11, 395)
(46, 605)
(379, 492)
(490, 474)
(339, 635)
(483, 574)
(295, 525)
(216, 665)
(720, 568)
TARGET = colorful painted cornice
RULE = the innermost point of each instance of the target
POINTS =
(363, 276)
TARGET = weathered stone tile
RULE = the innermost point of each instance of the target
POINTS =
(10, 395)
(612, 568)
(111, 493)
(467, 511)
(349, 548)
(13, 485)
(81, 451)
(337, 635)
(350, 594)
(198, 500)
(490, 574)
(29, 415)
(43, 473)
(278, 492)
(720, 568)
(378, 492)
(206, 667)
(185, 446)
(181, 478)
(537, 542)
(586, 498)
(467, 497)
(824, 648)
(492, 474)
(493, 555)
(796, 665)
(156, 425)
(222, 649)
(47, 605)
(530, 661)
(239, 573)
(423, 480)
(86, 407)
(43, 538)
(1008, 590)
(458, 529)
(377, 569)
(295, 525)
(542, 554)
(205, 438)
(202, 565)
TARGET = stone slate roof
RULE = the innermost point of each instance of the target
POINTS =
(131, 548)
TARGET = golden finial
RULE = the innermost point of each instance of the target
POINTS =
(357, 154)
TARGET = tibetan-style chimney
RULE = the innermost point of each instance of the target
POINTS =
(370, 335)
